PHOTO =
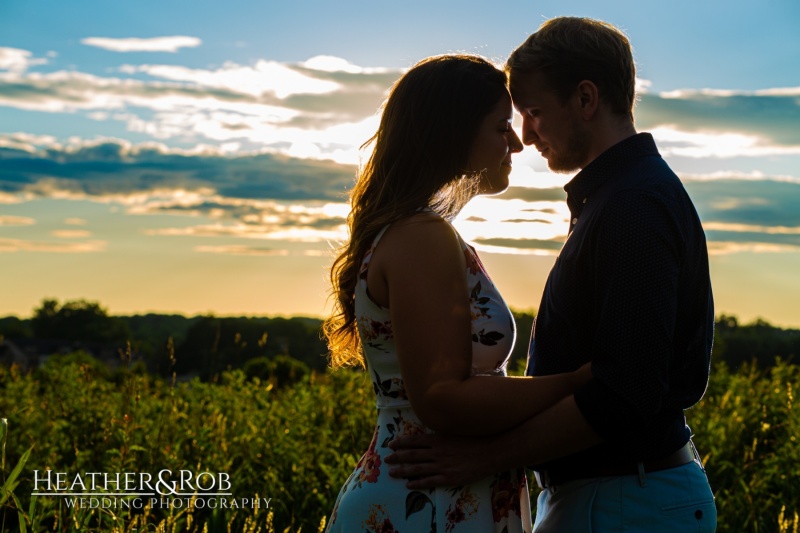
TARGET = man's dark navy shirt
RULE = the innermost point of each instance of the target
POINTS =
(630, 292)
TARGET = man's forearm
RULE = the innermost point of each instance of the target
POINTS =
(429, 461)
(556, 432)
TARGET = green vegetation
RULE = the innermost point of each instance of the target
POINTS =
(748, 431)
(284, 430)
(294, 444)
(297, 444)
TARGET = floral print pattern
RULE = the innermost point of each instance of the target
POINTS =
(373, 329)
(390, 388)
(372, 501)
(369, 467)
(465, 506)
(505, 494)
(378, 521)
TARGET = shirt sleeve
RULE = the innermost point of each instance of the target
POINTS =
(636, 265)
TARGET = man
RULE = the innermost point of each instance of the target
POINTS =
(630, 292)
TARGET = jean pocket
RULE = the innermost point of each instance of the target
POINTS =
(698, 515)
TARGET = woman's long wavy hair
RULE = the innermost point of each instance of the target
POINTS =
(419, 158)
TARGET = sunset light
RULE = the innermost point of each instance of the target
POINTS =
(175, 148)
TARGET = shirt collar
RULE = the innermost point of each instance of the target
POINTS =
(607, 165)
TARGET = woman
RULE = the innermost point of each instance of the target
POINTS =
(415, 300)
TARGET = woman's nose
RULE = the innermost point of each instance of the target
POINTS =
(514, 143)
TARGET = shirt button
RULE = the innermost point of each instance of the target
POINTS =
(575, 220)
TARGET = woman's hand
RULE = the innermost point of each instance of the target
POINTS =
(583, 375)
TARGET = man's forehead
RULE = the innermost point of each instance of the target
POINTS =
(527, 89)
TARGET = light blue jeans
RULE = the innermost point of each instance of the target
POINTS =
(675, 500)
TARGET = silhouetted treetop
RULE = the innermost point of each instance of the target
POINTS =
(77, 320)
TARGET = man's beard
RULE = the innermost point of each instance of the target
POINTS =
(576, 154)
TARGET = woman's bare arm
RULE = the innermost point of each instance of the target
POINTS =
(420, 274)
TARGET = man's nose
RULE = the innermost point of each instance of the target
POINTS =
(529, 135)
(514, 144)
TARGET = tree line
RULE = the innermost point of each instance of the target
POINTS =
(205, 346)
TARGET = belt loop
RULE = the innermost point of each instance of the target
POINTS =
(642, 477)
(696, 455)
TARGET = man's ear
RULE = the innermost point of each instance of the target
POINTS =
(588, 98)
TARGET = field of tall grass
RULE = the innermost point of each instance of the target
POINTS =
(295, 443)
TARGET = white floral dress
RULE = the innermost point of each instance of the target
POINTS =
(371, 501)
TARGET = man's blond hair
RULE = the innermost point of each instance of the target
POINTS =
(568, 50)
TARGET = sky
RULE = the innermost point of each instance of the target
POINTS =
(194, 157)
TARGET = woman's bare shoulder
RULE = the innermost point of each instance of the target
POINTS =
(420, 231)
(413, 249)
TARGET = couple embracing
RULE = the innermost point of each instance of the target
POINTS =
(622, 340)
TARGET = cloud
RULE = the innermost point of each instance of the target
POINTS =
(523, 245)
(19, 245)
(267, 221)
(323, 108)
(642, 86)
(16, 60)
(524, 220)
(265, 77)
(284, 231)
(6, 198)
(765, 203)
(326, 107)
(25, 141)
(326, 63)
(717, 144)
(742, 228)
(257, 195)
(729, 247)
(720, 242)
(68, 92)
(153, 44)
(726, 93)
(12, 220)
(71, 233)
(271, 197)
(531, 194)
(116, 169)
(276, 147)
(739, 212)
(528, 221)
(747, 211)
(236, 249)
(702, 123)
